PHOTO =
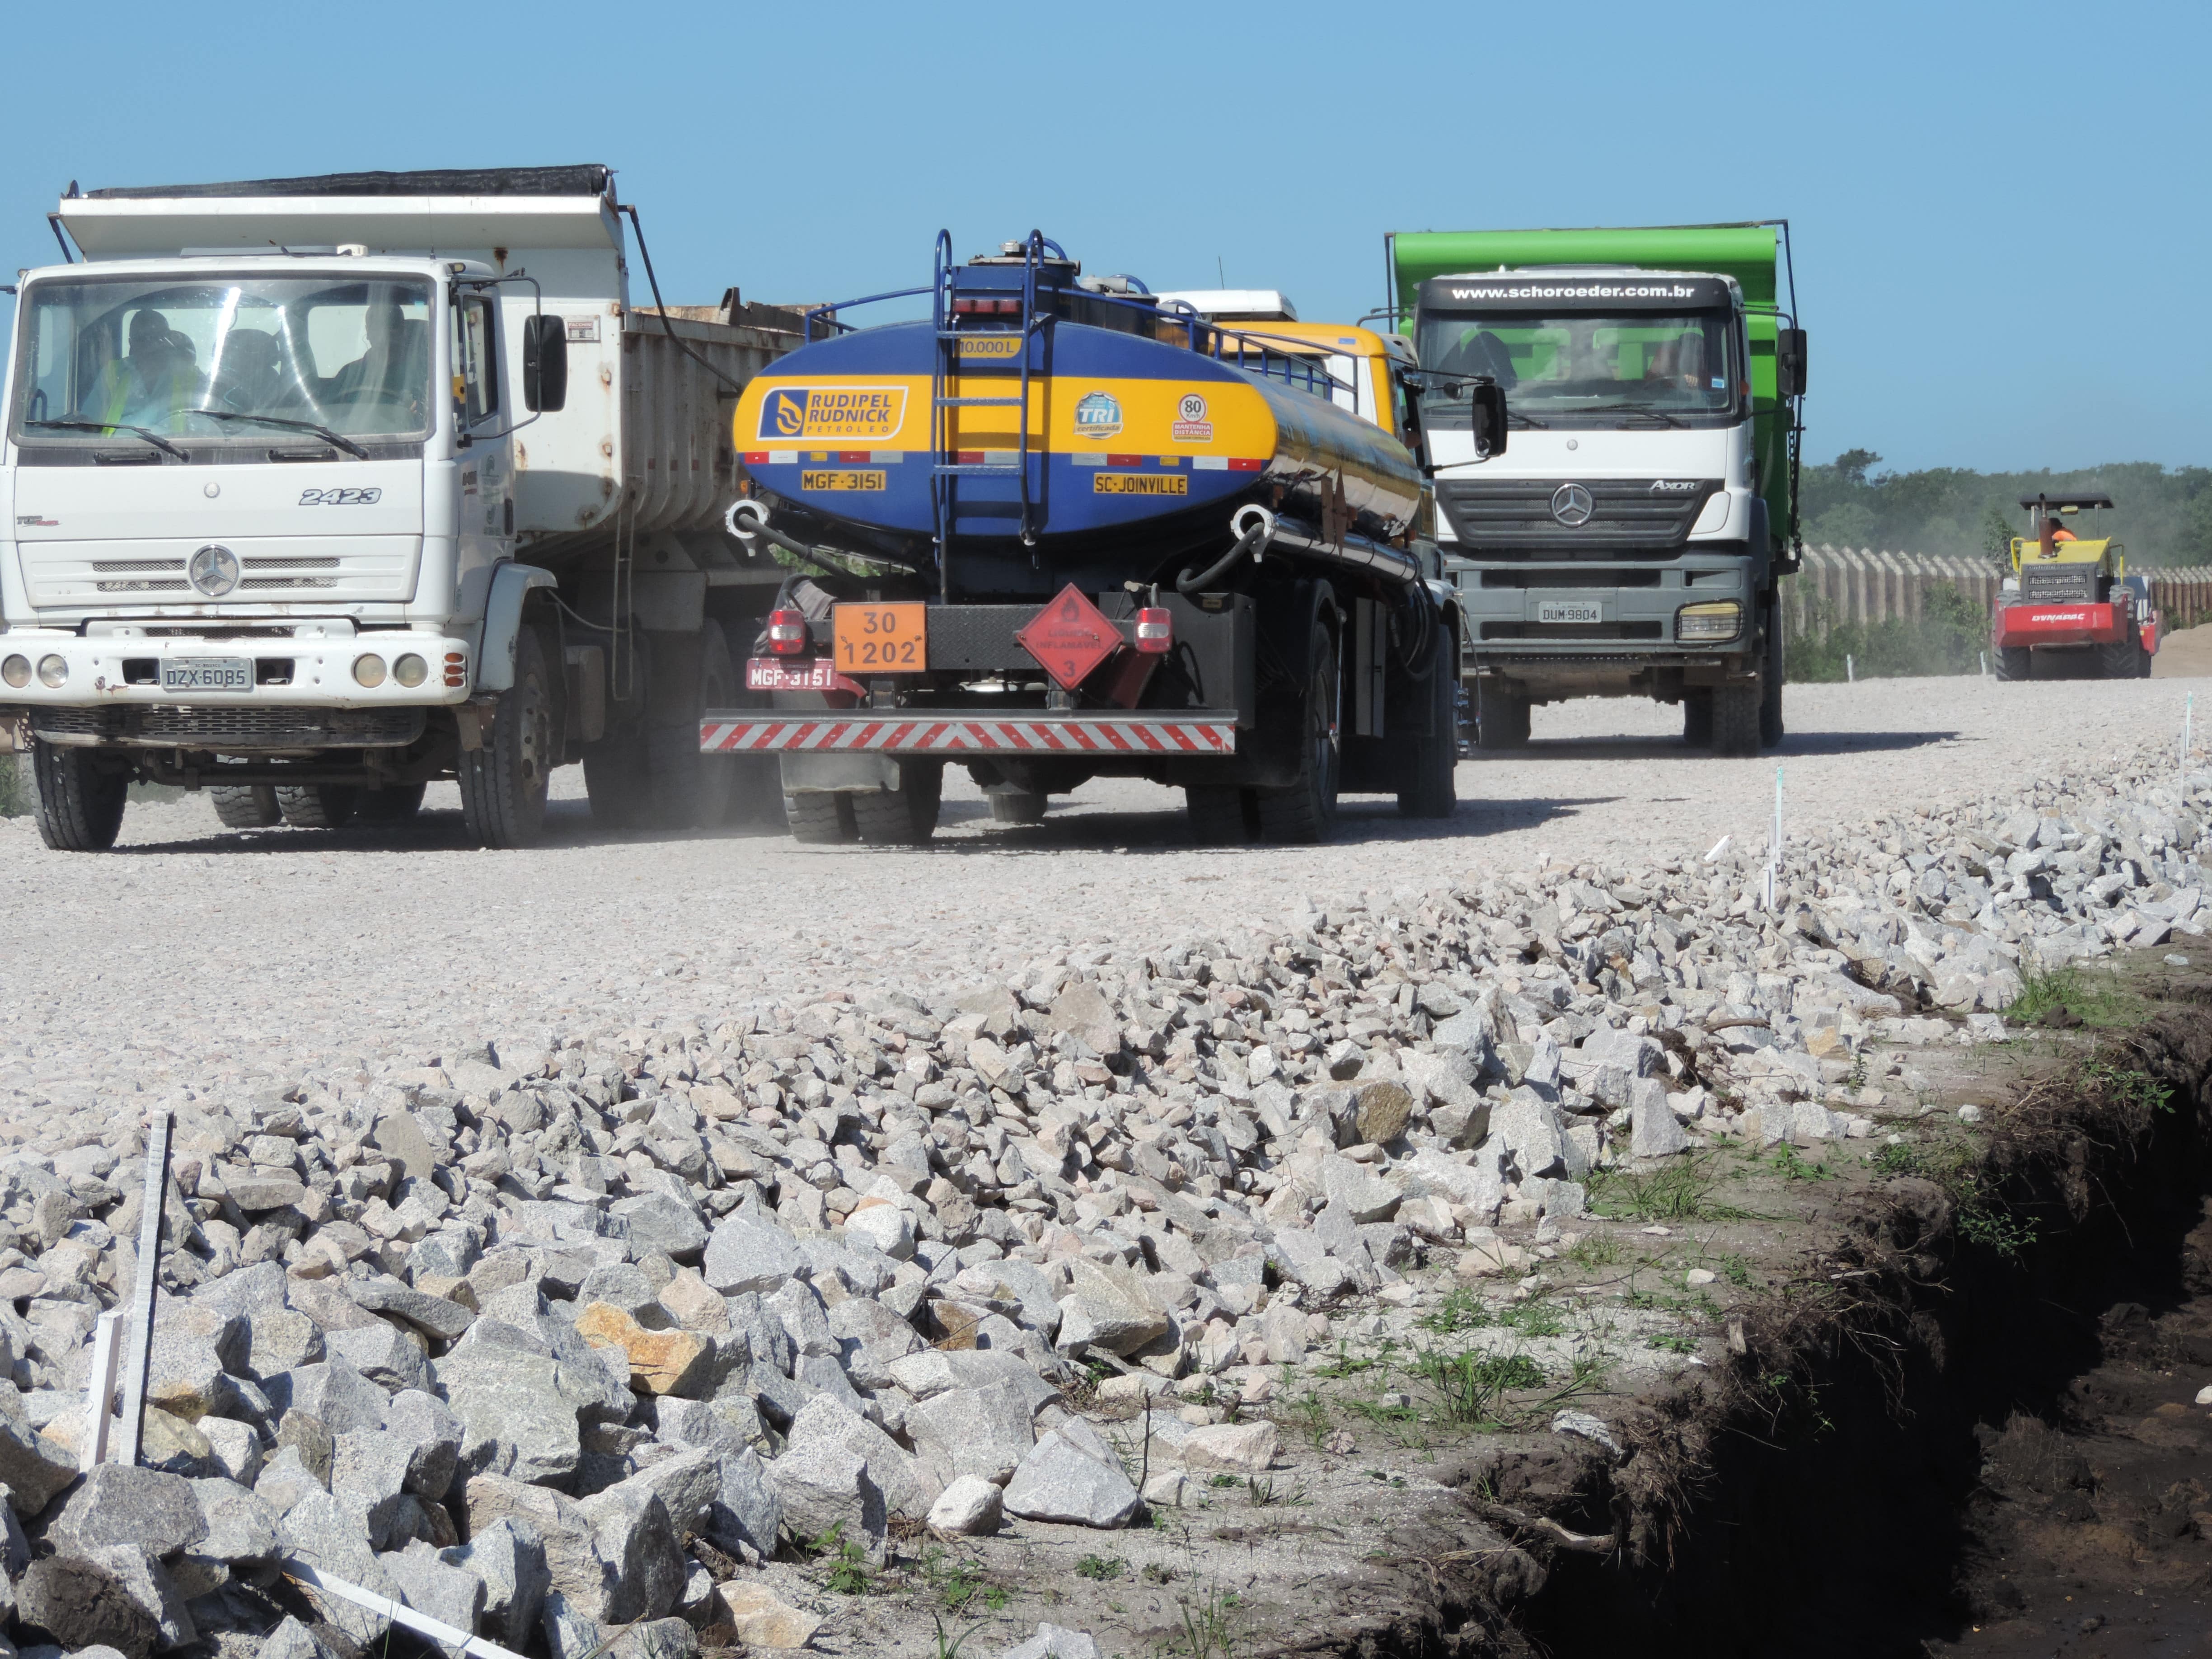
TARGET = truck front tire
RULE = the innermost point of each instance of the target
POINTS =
(1431, 760)
(78, 803)
(503, 782)
(1771, 730)
(1736, 711)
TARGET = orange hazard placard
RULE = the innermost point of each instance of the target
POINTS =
(1069, 637)
(881, 639)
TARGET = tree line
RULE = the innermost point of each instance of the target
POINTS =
(2162, 515)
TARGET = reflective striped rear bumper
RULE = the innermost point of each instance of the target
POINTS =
(746, 731)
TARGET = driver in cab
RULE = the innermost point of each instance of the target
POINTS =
(154, 382)
(2053, 532)
(394, 367)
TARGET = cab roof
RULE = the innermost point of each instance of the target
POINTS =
(2064, 503)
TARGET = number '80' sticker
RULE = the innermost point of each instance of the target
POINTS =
(369, 497)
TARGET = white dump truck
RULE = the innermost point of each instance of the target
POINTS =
(320, 489)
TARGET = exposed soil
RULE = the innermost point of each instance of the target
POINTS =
(1966, 1423)
(2091, 1531)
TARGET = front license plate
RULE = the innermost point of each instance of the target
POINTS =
(1570, 611)
(881, 639)
(208, 674)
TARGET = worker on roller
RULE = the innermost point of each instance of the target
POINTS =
(2053, 532)
(154, 382)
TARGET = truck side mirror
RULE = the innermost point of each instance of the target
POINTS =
(1789, 363)
(544, 362)
(1487, 418)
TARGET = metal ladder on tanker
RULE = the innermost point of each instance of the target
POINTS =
(947, 468)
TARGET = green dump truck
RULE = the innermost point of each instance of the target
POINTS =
(1632, 539)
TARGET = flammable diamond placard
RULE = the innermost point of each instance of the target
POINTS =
(1069, 637)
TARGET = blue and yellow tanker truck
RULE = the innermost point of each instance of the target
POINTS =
(1059, 530)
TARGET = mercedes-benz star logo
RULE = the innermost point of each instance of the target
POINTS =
(213, 572)
(1571, 505)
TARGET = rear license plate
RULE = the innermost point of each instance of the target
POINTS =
(1570, 611)
(881, 639)
(836, 481)
(208, 674)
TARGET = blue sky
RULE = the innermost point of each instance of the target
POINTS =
(1980, 194)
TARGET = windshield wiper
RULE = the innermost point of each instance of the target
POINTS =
(1513, 414)
(322, 432)
(147, 432)
(1644, 409)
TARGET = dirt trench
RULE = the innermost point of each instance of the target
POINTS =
(1966, 1425)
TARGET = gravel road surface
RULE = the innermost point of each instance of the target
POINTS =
(193, 956)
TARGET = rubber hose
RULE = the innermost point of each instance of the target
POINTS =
(1250, 542)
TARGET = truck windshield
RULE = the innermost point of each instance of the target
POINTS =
(1612, 370)
(189, 359)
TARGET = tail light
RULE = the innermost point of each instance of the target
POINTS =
(1155, 630)
(786, 633)
(986, 308)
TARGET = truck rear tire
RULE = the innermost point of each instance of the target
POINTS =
(1735, 719)
(687, 789)
(820, 818)
(503, 783)
(1017, 806)
(245, 806)
(1305, 812)
(317, 806)
(1501, 717)
(394, 804)
(1219, 816)
(906, 815)
(2015, 663)
(1431, 760)
(1697, 717)
(614, 780)
(77, 803)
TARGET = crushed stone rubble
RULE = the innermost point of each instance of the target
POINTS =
(625, 1312)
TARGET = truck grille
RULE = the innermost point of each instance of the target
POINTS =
(2072, 584)
(324, 567)
(236, 730)
(1629, 516)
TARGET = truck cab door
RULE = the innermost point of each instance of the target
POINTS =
(481, 416)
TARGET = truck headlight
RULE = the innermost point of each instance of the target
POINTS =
(53, 672)
(369, 670)
(1708, 624)
(16, 670)
(411, 671)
